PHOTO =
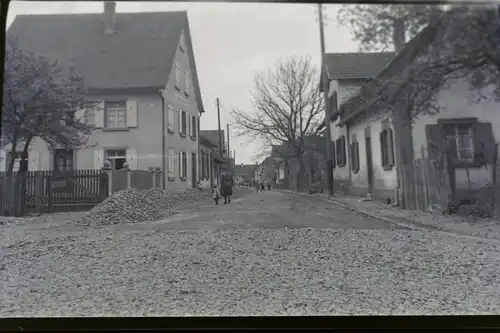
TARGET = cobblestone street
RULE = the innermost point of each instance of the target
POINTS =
(270, 253)
(267, 210)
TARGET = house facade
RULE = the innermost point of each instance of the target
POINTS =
(386, 149)
(347, 73)
(140, 70)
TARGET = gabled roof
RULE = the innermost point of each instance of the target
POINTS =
(244, 170)
(213, 137)
(342, 66)
(140, 54)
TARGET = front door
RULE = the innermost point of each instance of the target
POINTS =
(369, 162)
(194, 179)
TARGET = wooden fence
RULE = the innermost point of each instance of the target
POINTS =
(431, 187)
(49, 191)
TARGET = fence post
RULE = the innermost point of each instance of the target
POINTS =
(126, 167)
(108, 169)
(152, 170)
(160, 174)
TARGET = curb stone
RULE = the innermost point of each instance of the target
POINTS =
(410, 225)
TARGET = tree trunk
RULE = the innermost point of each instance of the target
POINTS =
(301, 174)
(399, 36)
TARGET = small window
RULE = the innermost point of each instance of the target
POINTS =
(386, 149)
(460, 141)
(171, 119)
(355, 156)
(341, 151)
(183, 123)
(193, 127)
(116, 114)
(116, 157)
(182, 43)
(187, 82)
(183, 165)
(63, 160)
(177, 74)
(171, 164)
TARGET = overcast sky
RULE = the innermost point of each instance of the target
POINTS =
(231, 42)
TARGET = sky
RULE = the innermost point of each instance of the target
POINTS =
(232, 42)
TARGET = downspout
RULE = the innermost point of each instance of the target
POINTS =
(160, 93)
(349, 157)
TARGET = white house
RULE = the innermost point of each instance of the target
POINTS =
(140, 68)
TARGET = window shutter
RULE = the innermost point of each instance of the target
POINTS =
(180, 121)
(435, 141)
(180, 164)
(390, 143)
(3, 160)
(189, 126)
(357, 155)
(383, 147)
(99, 114)
(132, 158)
(98, 158)
(484, 143)
(34, 161)
(132, 113)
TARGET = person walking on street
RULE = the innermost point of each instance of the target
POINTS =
(215, 194)
(269, 186)
(227, 187)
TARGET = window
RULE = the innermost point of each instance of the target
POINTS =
(116, 114)
(63, 160)
(171, 164)
(193, 127)
(116, 157)
(187, 82)
(17, 160)
(386, 149)
(183, 165)
(177, 75)
(182, 123)
(90, 117)
(460, 141)
(171, 117)
(340, 150)
(355, 156)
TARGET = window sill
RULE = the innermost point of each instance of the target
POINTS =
(171, 179)
(182, 134)
(118, 129)
(193, 137)
(177, 87)
(170, 130)
(183, 178)
(186, 93)
(341, 165)
(355, 171)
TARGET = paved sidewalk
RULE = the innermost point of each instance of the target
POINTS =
(477, 227)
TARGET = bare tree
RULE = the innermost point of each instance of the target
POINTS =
(384, 27)
(40, 99)
(287, 106)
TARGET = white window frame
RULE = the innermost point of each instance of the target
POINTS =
(113, 157)
(171, 164)
(458, 143)
(170, 118)
(177, 74)
(117, 110)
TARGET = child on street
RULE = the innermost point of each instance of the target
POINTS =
(215, 194)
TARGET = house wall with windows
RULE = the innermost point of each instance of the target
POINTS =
(182, 117)
(384, 174)
(472, 127)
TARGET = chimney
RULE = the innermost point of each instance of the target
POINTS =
(109, 17)
(399, 36)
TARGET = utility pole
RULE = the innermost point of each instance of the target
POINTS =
(220, 140)
(324, 71)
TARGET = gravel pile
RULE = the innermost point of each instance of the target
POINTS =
(250, 272)
(132, 205)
